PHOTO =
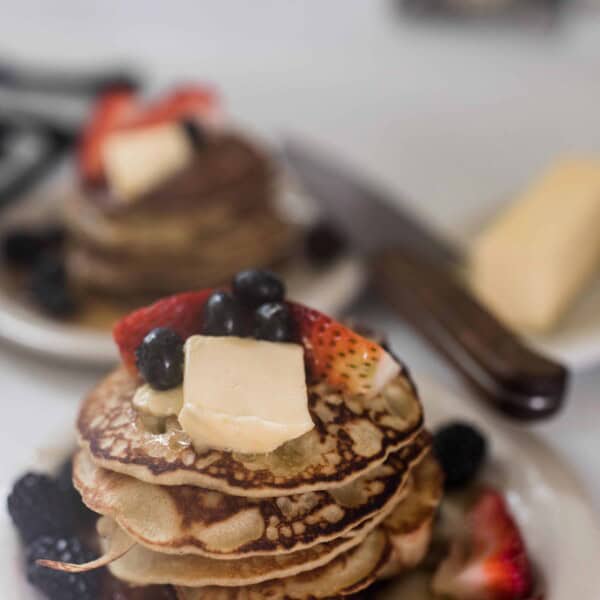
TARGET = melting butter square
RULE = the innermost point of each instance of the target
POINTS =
(242, 394)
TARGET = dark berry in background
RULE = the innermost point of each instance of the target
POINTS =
(36, 505)
(49, 287)
(159, 358)
(222, 315)
(81, 515)
(323, 244)
(254, 287)
(273, 322)
(57, 585)
(23, 247)
(461, 451)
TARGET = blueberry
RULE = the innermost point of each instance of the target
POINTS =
(323, 244)
(159, 358)
(37, 507)
(49, 287)
(461, 450)
(254, 287)
(195, 133)
(273, 322)
(58, 585)
(222, 315)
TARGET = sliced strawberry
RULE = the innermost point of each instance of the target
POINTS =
(112, 109)
(182, 313)
(340, 356)
(184, 102)
(490, 562)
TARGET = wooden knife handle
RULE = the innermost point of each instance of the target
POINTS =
(517, 380)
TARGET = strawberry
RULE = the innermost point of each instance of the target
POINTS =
(184, 102)
(340, 356)
(490, 561)
(182, 313)
(118, 110)
(112, 109)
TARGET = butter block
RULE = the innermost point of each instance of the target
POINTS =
(242, 394)
(136, 161)
(531, 263)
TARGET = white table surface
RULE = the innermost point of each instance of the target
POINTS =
(456, 118)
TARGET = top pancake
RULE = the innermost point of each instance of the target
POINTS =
(351, 436)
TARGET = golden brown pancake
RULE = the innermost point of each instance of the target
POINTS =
(351, 436)
(346, 574)
(192, 520)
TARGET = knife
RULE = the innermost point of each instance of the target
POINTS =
(417, 273)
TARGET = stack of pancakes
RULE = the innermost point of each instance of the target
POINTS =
(323, 516)
(196, 228)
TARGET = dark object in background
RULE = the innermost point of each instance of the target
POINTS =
(534, 11)
(49, 287)
(323, 244)
(23, 246)
(461, 451)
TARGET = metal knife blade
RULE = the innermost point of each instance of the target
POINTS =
(414, 271)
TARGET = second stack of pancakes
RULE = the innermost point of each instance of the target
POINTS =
(323, 516)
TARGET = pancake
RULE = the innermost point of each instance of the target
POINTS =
(347, 574)
(140, 566)
(192, 520)
(351, 436)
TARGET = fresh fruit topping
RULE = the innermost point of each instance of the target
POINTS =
(37, 507)
(49, 287)
(80, 514)
(222, 315)
(159, 358)
(489, 560)
(113, 109)
(323, 244)
(182, 313)
(461, 450)
(254, 287)
(119, 110)
(23, 247)
(340, 356)
(57, 585)
(196, 133)
(273, 322)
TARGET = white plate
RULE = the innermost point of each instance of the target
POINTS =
(555, 515)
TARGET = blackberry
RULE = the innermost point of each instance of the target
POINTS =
(81, 515)
(254, 287)
(37, 507)
(222, 315)
(273, 322)
(159, 358)
(461, 450)
(57, 585)
(23, 247)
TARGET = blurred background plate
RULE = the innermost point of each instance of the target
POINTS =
(547, 500)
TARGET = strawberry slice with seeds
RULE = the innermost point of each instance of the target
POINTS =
(338, 355)
(182, 313)
(490, 562)
(112, 109)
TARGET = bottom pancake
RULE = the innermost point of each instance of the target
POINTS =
(347, 574)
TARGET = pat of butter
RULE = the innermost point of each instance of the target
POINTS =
(242, 394)
(157, 403)
(136, 161)
(532, 262)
